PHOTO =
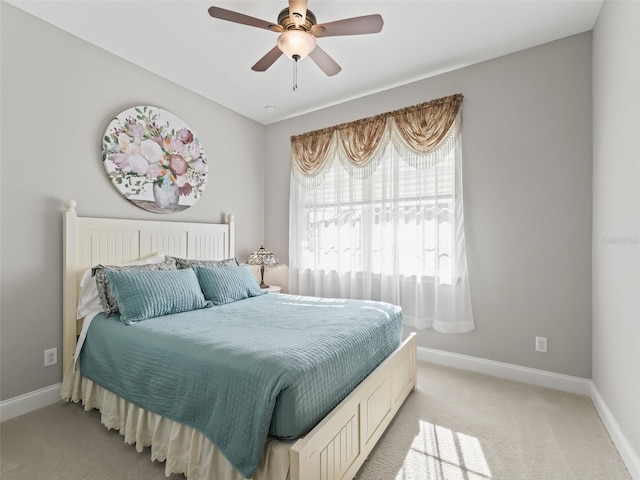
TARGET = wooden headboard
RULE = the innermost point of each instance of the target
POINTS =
(89, 241)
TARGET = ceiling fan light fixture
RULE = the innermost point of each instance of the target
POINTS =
(298, 31)
(296, 43)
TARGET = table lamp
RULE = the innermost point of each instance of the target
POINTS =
(262, 257)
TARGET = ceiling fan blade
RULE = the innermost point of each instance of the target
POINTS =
(268, 60)
(327, 64)
(349, 26)
(235, 17)
(298, 11)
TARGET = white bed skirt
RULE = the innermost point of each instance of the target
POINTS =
(183, 449)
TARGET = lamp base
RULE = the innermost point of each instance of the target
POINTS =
(262, 284)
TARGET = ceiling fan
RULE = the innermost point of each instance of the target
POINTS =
(298, 31)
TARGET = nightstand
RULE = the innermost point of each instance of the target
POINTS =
(272, 289)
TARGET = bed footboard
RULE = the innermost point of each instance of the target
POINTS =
(338, 446)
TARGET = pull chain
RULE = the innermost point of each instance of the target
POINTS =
(295, 71)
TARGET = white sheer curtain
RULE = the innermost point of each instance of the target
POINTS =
(390, 231)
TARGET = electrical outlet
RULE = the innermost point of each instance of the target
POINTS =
(50, 357)
(541, 344)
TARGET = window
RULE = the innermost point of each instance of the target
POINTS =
(392, 231)
(402, 209)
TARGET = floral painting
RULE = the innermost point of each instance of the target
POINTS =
(154, 159)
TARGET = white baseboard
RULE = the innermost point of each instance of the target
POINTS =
(542, 378)
(629, 456)
(16, 406)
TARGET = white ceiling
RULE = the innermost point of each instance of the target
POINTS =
(179, 41)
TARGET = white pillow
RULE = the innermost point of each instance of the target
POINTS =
(89, 300)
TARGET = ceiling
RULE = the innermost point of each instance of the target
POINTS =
(179, 41)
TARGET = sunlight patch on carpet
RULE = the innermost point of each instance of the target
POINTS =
(438, 453)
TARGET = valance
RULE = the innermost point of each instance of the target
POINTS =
(312, 152)
(417, 131)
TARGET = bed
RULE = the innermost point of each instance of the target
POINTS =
(332, 448)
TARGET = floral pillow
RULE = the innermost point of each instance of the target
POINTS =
(105, 292)
(188, 262)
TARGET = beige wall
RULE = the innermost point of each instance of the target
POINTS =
(616, 216)
(527, 175)
(58, 95)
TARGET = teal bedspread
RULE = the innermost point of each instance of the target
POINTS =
(268, 365)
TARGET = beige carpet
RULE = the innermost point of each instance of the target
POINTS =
(457, 426)
(462, 425)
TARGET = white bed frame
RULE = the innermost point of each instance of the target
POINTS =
(338, 446)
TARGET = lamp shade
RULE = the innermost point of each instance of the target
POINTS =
(296, 43)
(262, 257)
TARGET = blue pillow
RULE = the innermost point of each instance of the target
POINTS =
(144, 294)
(227, 283)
